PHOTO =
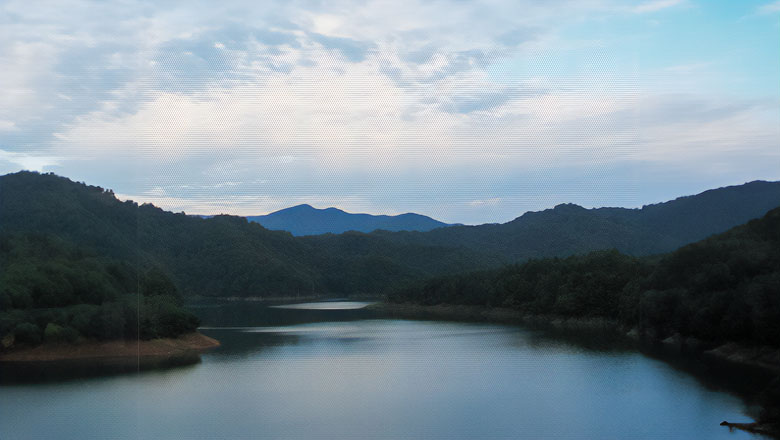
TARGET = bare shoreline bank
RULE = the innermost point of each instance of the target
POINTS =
(122, 349)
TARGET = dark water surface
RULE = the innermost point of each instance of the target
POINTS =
(317, 371)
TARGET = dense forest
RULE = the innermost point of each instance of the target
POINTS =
(53, 291)
(723, 288)
(227, 256)
(78, 262)
(570, 229)
(223, 255)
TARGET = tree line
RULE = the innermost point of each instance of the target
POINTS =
(724, 288)
(54, 291)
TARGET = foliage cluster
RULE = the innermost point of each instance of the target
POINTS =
(53, 291)
(132, 260)
(724, 288)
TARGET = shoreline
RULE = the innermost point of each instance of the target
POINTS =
(183, 345)
(492, 314)
(727, 360)
(766, 359)
(195, 301)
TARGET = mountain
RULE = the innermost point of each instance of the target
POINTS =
(725, 288)
(224, 256)
(571, 229)
(228, 256)
(307, 220)
(53, 290)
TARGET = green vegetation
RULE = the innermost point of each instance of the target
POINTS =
(223, 256)
(75, 257)
(228, 256)
(52, 291)
(724, 288)
(77, 263)
(569, 229)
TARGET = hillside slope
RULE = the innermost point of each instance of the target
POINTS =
(229, 256)
(218, 256)
(724, 288)
(571, 229)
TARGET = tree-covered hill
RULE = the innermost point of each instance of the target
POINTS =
(222, 255)
(571, 229)
(229, 256)
(54, 291)
(723, 288)
(77, 250)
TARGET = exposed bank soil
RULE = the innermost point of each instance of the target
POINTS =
(155, 348)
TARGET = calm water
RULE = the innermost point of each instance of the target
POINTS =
(321, 372)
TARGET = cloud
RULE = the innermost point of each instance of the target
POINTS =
(378, 106)
(241, 204)
(7, 125)
(769, 8)
(27, 161)
(655, 5)
(691, 128)
(157, 191)
(688, 68)
(353, 50)
(328, 122)
(487, 202)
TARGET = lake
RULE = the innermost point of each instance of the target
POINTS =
(326, 371)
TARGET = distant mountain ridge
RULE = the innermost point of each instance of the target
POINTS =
(307, 220)
(718, 290)
(229, 256)
(223, 255)
(569, 229)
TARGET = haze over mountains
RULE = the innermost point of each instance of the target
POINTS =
(229, 256)
(307, 220)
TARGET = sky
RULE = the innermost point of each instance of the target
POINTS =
(466, 111)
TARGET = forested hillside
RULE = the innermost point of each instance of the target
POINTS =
(73, 254)
(724, 288)
(222, 255)
(570, 229)
(229, 256)
(54, 291)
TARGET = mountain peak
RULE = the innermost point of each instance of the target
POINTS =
(307, 220)
(568, 207)
(301, 207)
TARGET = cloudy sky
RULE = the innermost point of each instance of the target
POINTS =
(468, 111)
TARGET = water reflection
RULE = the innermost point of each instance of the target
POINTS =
(258, 314)
(325, 305)
(86, 369)
(302, 373)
